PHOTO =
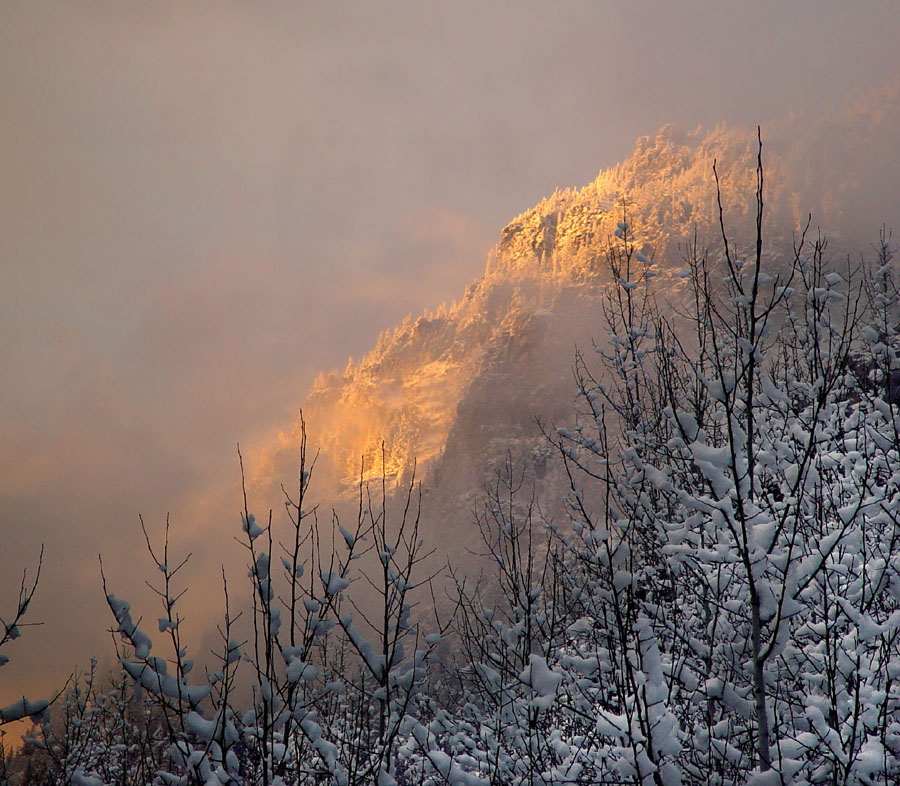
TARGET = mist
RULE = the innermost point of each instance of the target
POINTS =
(205, 205)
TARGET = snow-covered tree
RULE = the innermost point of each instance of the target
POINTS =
(511, 632)
(337, 663)
(11, 629)
(758, 482)
(339, 684)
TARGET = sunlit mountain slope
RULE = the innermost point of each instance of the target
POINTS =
(457, 390)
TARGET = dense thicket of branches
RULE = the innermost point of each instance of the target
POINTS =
(721, 607)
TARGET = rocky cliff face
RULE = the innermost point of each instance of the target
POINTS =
(456, 391)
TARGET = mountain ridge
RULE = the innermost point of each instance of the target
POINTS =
(454, 391)
(406, 391)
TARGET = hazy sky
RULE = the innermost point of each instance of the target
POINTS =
(203, 204)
